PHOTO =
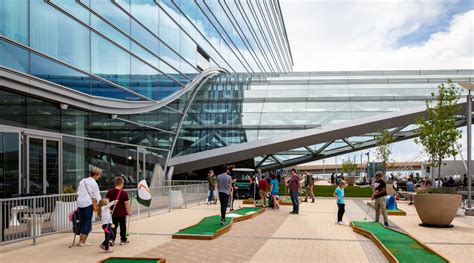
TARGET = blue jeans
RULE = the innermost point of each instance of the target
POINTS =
(295, 201)
(210, 198)
(85, 220)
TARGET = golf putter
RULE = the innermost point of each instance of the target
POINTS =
(367, 213)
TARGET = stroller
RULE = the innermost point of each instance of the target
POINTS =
(74, 218)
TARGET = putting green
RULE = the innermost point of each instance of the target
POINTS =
(132, 260)
(392, 212)
(403, 247)
(210, 225)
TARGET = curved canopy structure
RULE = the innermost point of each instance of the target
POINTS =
(291, 118)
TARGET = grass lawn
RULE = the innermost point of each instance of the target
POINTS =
(327, 190)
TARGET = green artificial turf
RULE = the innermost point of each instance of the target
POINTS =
(328, 190)
(211, 224)
(131, 260)
(403, 247)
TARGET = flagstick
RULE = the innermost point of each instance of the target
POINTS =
(138, 249)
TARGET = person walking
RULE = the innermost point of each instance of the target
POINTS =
(104, 213)
(259, 175)
(380, 197)
(309, 186)
(295, 188)
(341, 205)
(274, 191)
(333, 179)
(263, 185)
(410, 189)
(211, 178)
(224, 182)
(121, 210)
(88, 195)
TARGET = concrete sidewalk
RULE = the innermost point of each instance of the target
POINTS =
(274, 236)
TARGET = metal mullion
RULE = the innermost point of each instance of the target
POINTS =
(144, 125)
(73, 68)
(281, 33)
(44, 165)
(269, 31)
(277, 3)
(265, 40)
(270, 36)
(230, 39)
(254, 34)
(240, 32)
(113, 42)
(235, 24)
(218, 32)
(134, 41)
(197, 30)
(276, 30)
(156, 36)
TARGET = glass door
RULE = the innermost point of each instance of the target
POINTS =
(43, 165)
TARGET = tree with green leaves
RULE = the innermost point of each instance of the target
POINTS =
(438, 133)
(384, 140)
(348, 167)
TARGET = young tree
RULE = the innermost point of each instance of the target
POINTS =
(348, 167)
(438, 133)
(384, 139)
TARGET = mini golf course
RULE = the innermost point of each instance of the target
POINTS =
(396, 246)
(396, 212)
(286, 201)
(133, 260)
(210, 228)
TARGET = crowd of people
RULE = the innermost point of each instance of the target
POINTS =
(115, 207)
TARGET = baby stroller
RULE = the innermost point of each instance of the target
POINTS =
(76, 222)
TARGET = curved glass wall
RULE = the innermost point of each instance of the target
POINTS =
(239, 108)
(149, 47)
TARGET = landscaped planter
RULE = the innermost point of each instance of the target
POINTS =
(350, 180)
(437, 209)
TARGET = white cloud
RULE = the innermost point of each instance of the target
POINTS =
(361, 35)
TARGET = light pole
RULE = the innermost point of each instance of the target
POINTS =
(469, 87)
(336, 163)
(323, 168)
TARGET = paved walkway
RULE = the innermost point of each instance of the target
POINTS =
(274, 236)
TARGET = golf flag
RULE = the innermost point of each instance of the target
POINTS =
(144, 195)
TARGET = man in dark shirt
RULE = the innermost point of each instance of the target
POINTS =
(380, 198)
(295, 187)
(121, 211)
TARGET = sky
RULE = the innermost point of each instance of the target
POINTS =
(327, 35)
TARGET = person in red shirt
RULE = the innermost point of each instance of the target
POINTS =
(263, 186)
(121, 211)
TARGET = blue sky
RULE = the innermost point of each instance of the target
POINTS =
(423, 34)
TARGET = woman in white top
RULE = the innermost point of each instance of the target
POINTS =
(87, 190)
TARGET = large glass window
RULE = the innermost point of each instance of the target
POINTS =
(43, 115)
(12, 109)
(146, 11)
(109, 61)
(14, 20)
(14, 57)
(58, 35)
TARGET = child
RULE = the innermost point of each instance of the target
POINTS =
(339, 194)
(274, 191)
(104, 214)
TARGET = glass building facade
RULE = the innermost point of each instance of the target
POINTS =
(129, 85)
(140, 52)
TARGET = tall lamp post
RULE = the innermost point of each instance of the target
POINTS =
(469, 87)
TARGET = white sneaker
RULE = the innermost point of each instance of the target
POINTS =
(340, 223)
(85, 244)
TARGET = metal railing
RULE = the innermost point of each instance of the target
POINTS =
(182, 182)
(31, 217)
